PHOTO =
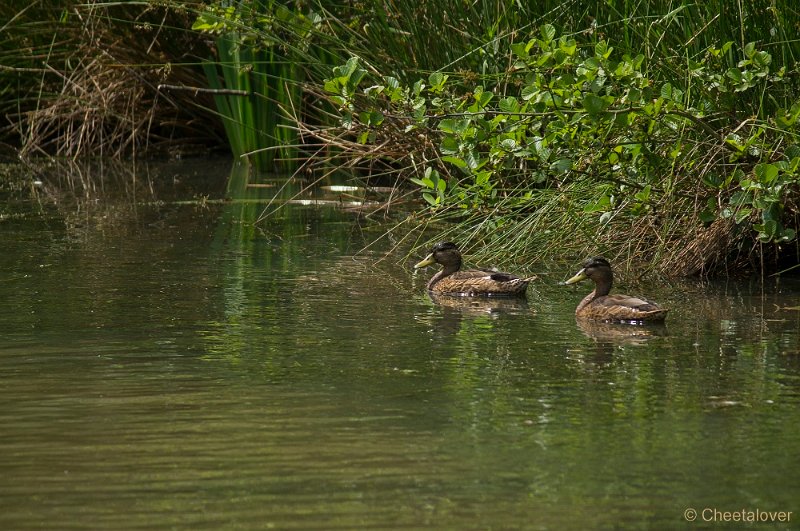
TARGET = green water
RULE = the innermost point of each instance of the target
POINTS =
(165, 366)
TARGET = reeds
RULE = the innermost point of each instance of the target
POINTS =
(257, 121)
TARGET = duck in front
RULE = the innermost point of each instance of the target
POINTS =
(600, 306)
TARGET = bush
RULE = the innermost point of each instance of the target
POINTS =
(579, 148)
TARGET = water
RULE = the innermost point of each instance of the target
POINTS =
(163, 365)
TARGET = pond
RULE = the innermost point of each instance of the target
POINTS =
(166, 364)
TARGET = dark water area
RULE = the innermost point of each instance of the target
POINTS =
(166, 364)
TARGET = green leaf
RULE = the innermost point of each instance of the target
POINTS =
(644, 194)
(449, 125)
(482, 178)
(735, 141)
(742, 214)
(767, 230)
(739, 198)
(509, 144)
(347, 120)
(591, 63)
(602, 204)
(449, 146)
(548, 99)
(484, 99)
(668, 92)
(561, 165)
(774, 211)
(520, 49)
(471, 160)
(567, 45)
(509, 104)
(766, 173)
(707, 215)
(529, 92)
(548, 32)
(347, 69)
(762, 59)
(594, 104)
(712, 180)
(792, 151)
(456, 161)
(356, 76)
(332, 86)
(602, 49)
(734, 74)
(787, 235)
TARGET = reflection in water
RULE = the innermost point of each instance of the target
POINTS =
(620, 333)
(470, 317)
(175, 365)
(482, 305)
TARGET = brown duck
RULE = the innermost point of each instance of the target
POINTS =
(600, 306)
(451, 280)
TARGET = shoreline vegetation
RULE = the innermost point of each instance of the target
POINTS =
(663, 135)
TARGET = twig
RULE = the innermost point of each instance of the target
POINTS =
(226, 92)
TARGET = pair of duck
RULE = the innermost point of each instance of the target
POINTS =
(598, 305)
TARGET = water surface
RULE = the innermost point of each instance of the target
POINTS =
(165, 365)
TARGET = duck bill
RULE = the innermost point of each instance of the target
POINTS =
(581, 275)
(426, 262)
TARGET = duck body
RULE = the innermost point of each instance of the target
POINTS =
(600, 306)
(451, 280)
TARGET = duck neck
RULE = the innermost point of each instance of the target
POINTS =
(446, 271)
(453, 264)
(602, 287)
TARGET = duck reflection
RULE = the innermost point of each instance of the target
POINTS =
(449, 316)
(620, 334)
(477, 306)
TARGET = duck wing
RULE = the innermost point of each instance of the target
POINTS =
(482, 282)
(494, 274)
(625, 308)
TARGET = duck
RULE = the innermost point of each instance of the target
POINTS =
(600, 306)
(451, 280)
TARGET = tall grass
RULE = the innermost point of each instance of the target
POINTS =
(406, 38)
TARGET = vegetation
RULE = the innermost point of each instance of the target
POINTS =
(264, 79)
(81, 79)
(660, 132)
(590, 144)
(577, 147)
